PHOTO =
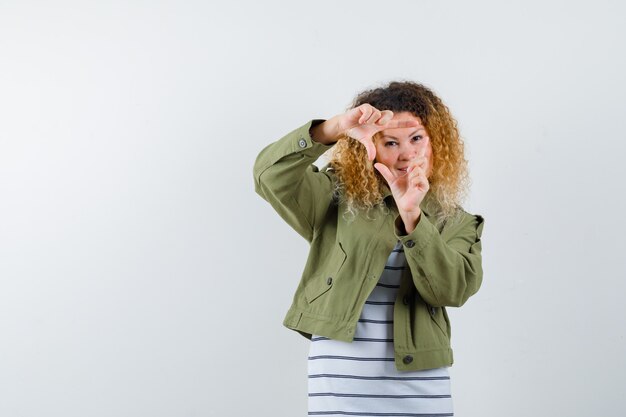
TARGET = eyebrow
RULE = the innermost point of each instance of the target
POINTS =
(393, 137)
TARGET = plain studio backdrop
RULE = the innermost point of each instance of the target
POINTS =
(140, 275)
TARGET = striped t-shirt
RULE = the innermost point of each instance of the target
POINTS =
(360, 378)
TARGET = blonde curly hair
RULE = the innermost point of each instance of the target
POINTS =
(361, 187)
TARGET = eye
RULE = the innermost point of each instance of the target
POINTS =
(390, 143)
(416, 138)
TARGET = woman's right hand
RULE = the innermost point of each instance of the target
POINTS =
(360, 123)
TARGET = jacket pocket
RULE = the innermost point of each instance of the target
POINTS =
(324, 280)
(437, 316)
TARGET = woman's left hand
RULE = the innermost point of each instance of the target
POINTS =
(409, 190)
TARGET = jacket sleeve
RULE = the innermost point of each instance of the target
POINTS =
(284, 175)
(446, 267)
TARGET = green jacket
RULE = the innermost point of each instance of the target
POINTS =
(346, 258)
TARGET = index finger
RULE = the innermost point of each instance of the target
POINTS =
(396, 124)
(385, 172)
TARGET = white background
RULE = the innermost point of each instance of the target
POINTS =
(141, 276)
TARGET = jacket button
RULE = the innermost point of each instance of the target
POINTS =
(432, 311)
(329, 280)
(407, 359)
(409, 243)
(405, 300)
(302, 143)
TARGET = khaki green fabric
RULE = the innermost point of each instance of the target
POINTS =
(347, 256)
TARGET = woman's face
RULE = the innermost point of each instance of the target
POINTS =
(396, 148)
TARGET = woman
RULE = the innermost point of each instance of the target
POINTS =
(391, 248)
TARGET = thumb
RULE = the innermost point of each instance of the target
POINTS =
(385, 172)
(422, 152)
(370, 148)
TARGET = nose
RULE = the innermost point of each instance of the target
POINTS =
(407, 153)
